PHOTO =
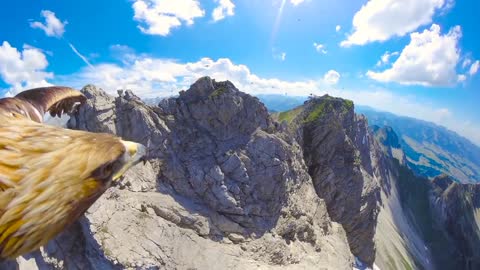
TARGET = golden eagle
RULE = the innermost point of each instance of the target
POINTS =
(49, 176)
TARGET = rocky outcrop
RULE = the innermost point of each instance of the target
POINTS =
(339, 152)
(423, 223)
(354, 170)
(456, 208)
(228, 187)
(225, 187)
(390, 143)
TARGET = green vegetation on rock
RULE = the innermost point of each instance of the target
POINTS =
(289, 116)
(328, 104)
(218, 92)
(348, 104)
(318, 111)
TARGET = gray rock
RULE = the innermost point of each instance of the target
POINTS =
(224, 187)
(337, 147)
(455, 207)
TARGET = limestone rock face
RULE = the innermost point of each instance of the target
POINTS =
(342, 159)
(224, 188)
(456, 207)
(390, 143)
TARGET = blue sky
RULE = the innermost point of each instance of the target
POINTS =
(429, 48)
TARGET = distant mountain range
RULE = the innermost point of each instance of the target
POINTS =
(430, 150)
(281, 103)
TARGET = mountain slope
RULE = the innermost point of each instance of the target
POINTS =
(336, 148)
(431, 150)
(444, 213)
(229, 186)
(344, 155)
(225, 188)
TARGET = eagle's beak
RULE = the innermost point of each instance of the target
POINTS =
(135, 153)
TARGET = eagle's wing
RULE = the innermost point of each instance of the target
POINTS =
(34, 103)
(19, 111)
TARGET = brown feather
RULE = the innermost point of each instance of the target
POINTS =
(49, 176)
(34, 103)
(47, 180)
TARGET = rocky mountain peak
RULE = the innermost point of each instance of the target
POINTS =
(222, 179)
(455, 207)
(206, 87)
(220, 109)
(329, 107)
(390, 143)
(343, 161)
(227, 186)
(442, 182)
(387, 136)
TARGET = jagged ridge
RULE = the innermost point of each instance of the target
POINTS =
(227, 186)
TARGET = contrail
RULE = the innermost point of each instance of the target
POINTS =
(80, 55)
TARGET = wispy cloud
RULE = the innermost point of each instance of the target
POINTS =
(474, 68)
(225, 8)
(385, 59)
(296, 2)
(320, 48)
(279, 55)
(52, 27)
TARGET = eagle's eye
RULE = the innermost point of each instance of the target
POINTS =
(104, 172)
(107, 170)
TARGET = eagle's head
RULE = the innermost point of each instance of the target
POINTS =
(49, 176)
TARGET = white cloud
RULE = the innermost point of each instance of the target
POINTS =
(121, 49)
(52, 27)
(385, 59)
(429, 60)
(474, 68)
(84, 59)
(28, 46)
(158, 17)
(461, 78)
(296, 2)
(466, 62)
(338, 28)
(331, 77)
(279, 55)
(379, 20)
(153, 77)
(225, 8)
(23, 69)
(320, 48)
(150, 77)
(123, 53)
